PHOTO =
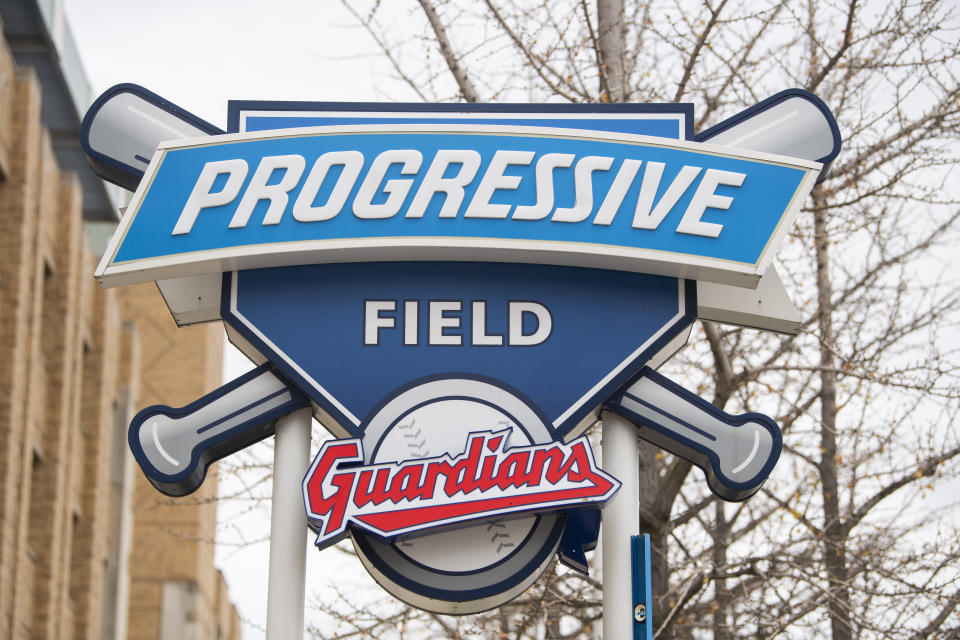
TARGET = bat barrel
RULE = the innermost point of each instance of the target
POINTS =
(793, 123)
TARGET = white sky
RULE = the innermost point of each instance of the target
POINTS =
(199, 55)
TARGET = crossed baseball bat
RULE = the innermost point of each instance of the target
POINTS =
(175, 446)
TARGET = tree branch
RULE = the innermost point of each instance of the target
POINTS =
(467, 90)
(695, 54)
(927, 469)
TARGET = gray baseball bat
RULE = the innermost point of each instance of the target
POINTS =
(174, 446)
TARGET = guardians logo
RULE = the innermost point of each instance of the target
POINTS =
(486, 480)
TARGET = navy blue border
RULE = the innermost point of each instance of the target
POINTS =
(111, 169)
(234, 107)
(632, 369)
(234, 439)
(694, 452)
(704, 136)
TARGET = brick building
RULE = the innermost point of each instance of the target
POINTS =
(88, 548)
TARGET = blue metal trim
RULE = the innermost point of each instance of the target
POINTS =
(642, 587)
(581, 535)
(235, 107)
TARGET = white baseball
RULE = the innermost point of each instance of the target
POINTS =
(442, 427)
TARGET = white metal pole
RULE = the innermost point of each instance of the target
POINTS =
(621, 458)
(288, 528)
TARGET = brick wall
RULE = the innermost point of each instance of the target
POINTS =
(175, 538)
(84, 539)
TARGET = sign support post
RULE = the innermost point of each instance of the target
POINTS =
(642, 589)
(621, 458)
(286, 587)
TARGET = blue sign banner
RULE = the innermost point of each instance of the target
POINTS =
(458, 191)
(350, 335)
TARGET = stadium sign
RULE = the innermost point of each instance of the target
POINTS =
(456, 291)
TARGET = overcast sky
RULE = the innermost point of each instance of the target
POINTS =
(199, 55)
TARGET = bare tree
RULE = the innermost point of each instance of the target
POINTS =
(855, 534)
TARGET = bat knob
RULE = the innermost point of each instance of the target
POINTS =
(743, 458)
(162, 440)
(167, 450)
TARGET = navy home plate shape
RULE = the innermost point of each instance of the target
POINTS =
(456, 291)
